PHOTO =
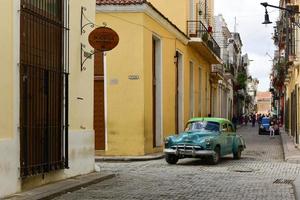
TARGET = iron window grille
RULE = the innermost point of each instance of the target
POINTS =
(44, 70)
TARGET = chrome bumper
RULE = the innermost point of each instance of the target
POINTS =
(193, 152)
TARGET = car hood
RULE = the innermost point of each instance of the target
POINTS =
(193, 137)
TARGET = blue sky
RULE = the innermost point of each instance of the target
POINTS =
(256, 37)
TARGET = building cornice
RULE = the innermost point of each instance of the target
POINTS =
(151, 11)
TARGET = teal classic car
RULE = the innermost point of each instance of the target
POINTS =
(206, 138)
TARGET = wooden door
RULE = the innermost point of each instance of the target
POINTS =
(99, 108)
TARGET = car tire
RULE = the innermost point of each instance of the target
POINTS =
(171, 159)
(237, 155)
(213, 160)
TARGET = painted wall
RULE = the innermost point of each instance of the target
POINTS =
(125, 97)
(9, 143)
(6, 70)
(81, 134)
(171, 12)
(129, 102)
(81, 160)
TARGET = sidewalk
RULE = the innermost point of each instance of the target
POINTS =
(291, 155)
(61, 187)
(147, 157)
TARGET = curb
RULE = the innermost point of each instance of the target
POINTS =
(296, 186)
(56, 189)
(289, 155)
(128, 158)
(284, 146)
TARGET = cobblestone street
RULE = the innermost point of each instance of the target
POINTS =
(252, 177)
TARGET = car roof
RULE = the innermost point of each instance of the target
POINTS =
(212, 119)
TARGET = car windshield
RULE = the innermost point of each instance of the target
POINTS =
(203, 125)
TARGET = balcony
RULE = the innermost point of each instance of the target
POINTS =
(196, 29)
(217, 72)
(229, 72)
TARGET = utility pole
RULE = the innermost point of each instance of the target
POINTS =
(235, 24)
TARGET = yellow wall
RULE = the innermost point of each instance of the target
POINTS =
(175, 10)
(6, 69)
(80, 82)
(81, 135)
(129, 102)
(125, 98)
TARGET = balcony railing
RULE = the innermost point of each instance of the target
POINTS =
(218, 69)
(197, 29)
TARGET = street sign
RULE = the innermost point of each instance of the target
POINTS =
(103, 39)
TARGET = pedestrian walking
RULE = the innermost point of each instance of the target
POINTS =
(241, 120)
(234, 121)
(253, 120)
(246, 120)
(271, 128)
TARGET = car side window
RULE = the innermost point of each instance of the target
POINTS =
(224, 127)
(230, 128)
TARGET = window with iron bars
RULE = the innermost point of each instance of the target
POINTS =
(44, 61)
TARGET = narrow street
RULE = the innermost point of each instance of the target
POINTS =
(260, 174)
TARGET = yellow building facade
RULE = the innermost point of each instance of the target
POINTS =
(292, 77)
(156, 79)
(22, 120)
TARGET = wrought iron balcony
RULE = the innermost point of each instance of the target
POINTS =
(197, 29)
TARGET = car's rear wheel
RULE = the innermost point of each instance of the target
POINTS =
(213, 160)
(171, 159)
(237, 155)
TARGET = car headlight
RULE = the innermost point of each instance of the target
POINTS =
(208, 141)
(166, 140)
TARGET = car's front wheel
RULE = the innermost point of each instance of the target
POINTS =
(238, 154)
(213, 160)
(171, 159)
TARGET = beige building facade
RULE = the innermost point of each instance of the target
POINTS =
(46, 118)
(263, 102)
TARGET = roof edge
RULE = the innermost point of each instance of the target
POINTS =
(148, 9)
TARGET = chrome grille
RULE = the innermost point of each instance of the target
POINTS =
(187, 147)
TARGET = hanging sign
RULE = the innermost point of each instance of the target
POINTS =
(103, 39)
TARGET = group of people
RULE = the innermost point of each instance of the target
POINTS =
(244, 119)
(256, 117)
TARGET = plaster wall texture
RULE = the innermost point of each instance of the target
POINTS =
(129, 102)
